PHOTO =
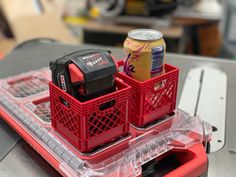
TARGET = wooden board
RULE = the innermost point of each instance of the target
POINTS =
(169, 32)
(6, 45)
(27, 21)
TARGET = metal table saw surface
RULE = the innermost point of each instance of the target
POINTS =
(17, 158)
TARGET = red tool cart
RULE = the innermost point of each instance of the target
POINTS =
(88, 141)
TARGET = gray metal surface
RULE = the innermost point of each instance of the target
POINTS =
(199, 92)
(221, 163)
(23, 161)
(8, 139)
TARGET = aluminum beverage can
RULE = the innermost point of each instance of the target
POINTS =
(145, 54)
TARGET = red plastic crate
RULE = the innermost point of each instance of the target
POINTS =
(87, 125)
(152, 99)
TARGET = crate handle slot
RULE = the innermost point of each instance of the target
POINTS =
(107, 105)
(120, 64)
(64, 102)
(159, 85)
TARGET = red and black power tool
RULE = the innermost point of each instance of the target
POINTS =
(85, 74)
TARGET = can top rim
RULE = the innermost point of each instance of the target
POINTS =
(145, 34)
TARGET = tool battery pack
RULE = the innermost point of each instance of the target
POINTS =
(85, 74)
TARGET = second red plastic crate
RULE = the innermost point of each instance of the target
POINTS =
(90, 124)
(154, 98)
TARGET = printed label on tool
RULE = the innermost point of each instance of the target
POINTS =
(63, 83)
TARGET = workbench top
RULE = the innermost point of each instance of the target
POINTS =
(17, 158)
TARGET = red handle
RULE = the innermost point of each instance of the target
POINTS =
(195, 164)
